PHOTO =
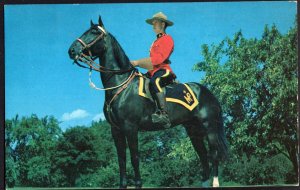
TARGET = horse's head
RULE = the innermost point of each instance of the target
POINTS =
(91, 43)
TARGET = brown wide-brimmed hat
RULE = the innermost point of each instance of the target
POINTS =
(160, 16)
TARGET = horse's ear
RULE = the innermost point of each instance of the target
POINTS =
(92, 24)
(100, 22)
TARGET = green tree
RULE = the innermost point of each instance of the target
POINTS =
(103, 143)
(11, 170)
(76, 154)
(163, 159)
(107, 174)
(269, 171)
(30, 143)
(256, 83)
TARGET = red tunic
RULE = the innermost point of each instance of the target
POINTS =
(160, 52)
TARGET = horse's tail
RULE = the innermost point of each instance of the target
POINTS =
(222, 144)
(217, 128)
(216, 131)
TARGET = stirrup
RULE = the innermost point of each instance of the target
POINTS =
(161, 118)
(158, 112)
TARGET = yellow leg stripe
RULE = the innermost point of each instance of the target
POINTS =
(157, 84)
(167, 73)
(141, 86)
(158, 79)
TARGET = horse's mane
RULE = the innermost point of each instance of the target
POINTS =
(119, 53)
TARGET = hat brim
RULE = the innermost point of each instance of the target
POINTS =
(150, 21)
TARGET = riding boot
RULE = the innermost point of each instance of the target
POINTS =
(161, 116)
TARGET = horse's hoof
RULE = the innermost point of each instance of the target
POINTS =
(123, 186)
(138, 184)
(216, 182)
(205, 184)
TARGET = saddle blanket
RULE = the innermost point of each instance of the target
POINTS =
(179, 93)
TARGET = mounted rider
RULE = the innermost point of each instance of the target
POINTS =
(158, 66)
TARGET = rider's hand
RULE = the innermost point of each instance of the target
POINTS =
(134, 63)
(144, 63)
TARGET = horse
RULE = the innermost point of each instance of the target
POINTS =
(128, 113)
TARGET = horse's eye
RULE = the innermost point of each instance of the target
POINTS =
(95, 31)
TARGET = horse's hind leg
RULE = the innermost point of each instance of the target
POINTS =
(217, 144)
(120, 143)
(196, 136)
(212, 138)
(213, 152)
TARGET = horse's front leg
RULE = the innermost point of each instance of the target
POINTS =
(132, 140)
(120, 143)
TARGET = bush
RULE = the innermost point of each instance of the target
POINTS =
(254, 171)
(108, 176)
(11, 172)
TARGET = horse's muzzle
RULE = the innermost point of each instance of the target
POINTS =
(73, 54)
(75, 50)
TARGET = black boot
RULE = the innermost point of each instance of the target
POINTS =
(161, 116)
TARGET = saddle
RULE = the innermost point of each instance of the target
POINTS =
(179, 93)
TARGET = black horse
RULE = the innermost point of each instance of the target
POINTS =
(128, 113)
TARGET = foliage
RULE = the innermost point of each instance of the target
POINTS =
(76, 153)
(256, 83)
(31, 142)
(11, 171)
(106, 173)
(163, 167)
(167, 162)
(106, 177)
(271, 171)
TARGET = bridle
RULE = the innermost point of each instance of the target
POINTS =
(89, 60)
(92, 65)
(87, 46)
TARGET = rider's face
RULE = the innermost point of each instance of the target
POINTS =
(158, 26)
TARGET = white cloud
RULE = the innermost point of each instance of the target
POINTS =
(76, 114)
(99, 116)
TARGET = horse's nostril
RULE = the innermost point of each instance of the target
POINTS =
(72, 53)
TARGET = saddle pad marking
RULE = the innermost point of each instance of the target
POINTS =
(187, 97)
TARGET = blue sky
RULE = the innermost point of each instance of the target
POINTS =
(41, 79)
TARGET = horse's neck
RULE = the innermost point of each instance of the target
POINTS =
(116, 59)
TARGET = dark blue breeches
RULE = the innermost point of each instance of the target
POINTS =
(160, 79)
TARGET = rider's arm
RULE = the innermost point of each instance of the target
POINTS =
(160, 51)
(143, 63)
